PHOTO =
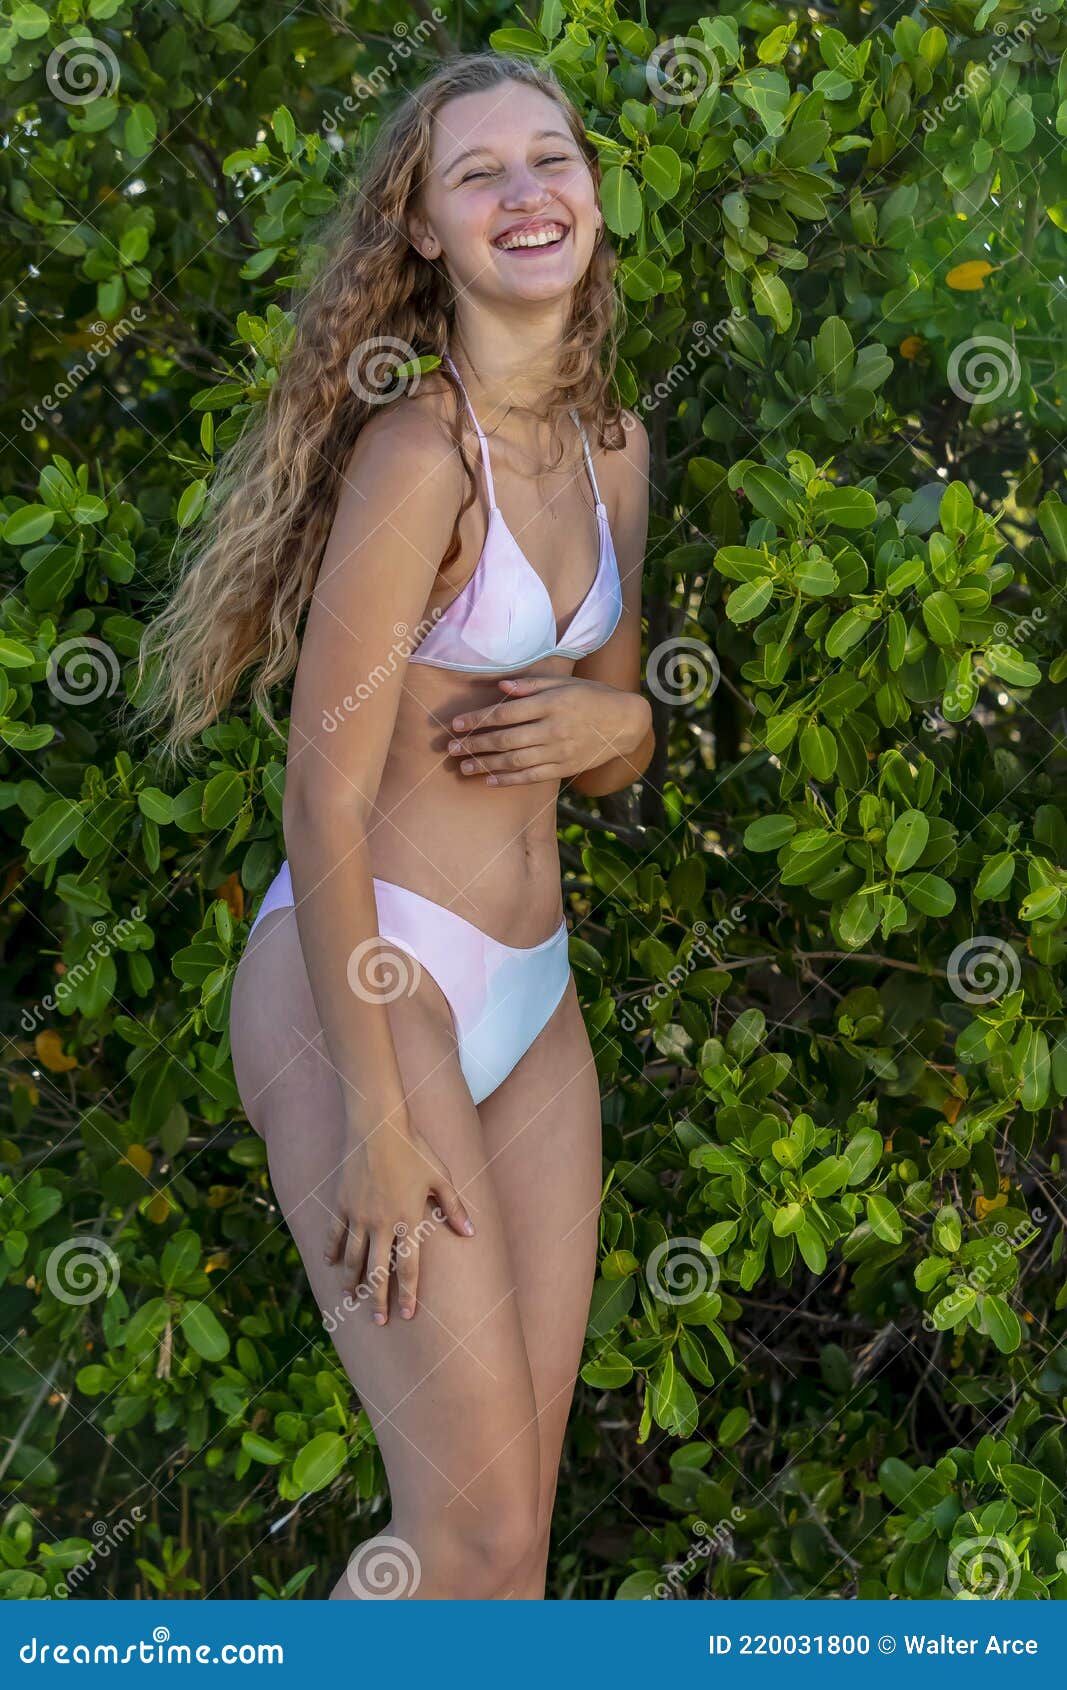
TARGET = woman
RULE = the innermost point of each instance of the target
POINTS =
(405, 1028)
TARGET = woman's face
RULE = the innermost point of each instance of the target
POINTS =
(509, 204)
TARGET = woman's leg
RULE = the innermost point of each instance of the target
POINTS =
(449, 1392)
(543, 1140)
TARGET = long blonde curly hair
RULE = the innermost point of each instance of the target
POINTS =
(251, 564)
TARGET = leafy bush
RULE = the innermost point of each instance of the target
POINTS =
(820, 954)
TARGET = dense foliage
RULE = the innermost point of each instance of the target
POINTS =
(820, 953)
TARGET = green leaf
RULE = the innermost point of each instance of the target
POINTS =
(818, 751)
(620, 201)
(907, 840)
(883, 1220)
(319, 1462)
(942, 618)
(1002, 1323)
(769, 833)
(204, 1332)
(749, 600)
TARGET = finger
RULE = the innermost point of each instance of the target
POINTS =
(455, 1212)
(379, 1274)
(521, 777)
(334, 1234)
(357, 1245)
(492, 762)
(497, 739)
(407, 1273)
(504, 710)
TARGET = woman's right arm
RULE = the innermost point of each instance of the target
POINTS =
(401, 489)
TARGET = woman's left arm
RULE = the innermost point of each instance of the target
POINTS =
(618, 663)
(593, 728)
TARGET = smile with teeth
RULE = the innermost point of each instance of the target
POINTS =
(550, 235)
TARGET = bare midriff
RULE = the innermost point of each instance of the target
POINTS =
(488, 853)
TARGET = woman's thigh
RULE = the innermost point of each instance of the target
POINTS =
(543, 1138)
(448, 1392)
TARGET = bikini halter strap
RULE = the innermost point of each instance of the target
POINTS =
(485, 444)
(478, 431)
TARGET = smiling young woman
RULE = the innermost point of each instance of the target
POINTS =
(405, 1027)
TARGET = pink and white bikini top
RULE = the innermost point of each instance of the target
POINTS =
(503, 618)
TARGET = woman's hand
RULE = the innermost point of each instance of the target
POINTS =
(381, 1200)
(550, 728)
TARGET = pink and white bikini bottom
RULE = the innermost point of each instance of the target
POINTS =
(500, 996)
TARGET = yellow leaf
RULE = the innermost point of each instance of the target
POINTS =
(969, 277)
(950, 1108)
(911, 346)
(233, 893)
(50, 1052)
(220, 1259)
(140, 1158)
(984, 1206)
(159, 1208)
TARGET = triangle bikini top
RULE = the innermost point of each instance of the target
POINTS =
(503, 619)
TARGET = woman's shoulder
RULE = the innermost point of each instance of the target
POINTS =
(411, 428)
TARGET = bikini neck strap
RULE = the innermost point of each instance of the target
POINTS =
(576, 419)
(478, 430)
